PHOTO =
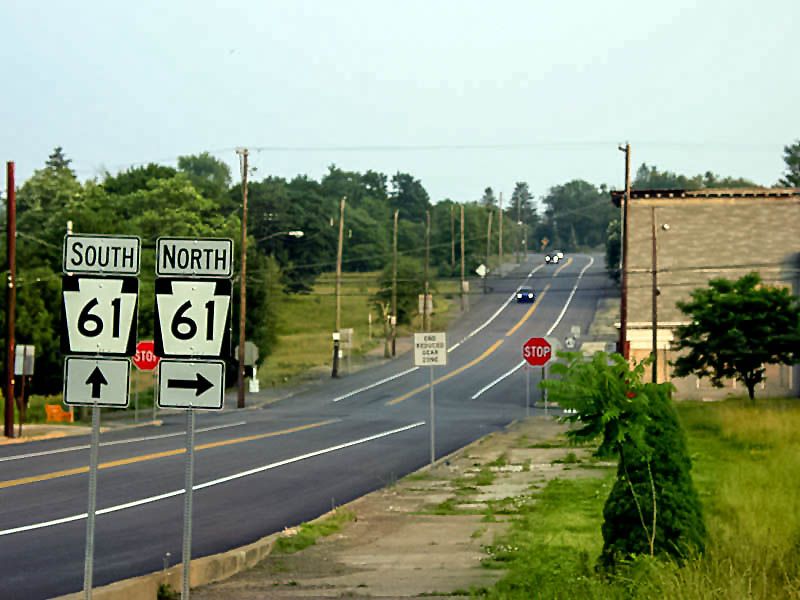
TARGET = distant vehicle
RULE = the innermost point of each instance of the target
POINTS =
(525, 295)
(552, 258)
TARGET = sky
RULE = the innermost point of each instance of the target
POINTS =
(461, 94)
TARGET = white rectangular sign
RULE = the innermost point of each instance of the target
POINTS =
(191, 384)
(24, 357)
(99, 315)
(430, 349)
(101, 381)
(102, 254)
(194, 257)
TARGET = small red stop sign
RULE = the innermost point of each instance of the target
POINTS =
(145, 358)
(537, 351)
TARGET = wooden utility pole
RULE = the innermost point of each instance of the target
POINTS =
(519, 225)
(654, 252)
(242, 152)
(426, 307)
(463, 281)
(452, 238)
(394, 285)
(337, 332)
(623, 328)
(488, 248)
(11, 296)
(500, 231)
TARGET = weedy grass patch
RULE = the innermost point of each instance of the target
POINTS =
(308, 533)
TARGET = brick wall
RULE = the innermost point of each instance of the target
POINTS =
(709, 237)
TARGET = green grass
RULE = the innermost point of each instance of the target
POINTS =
(306, 322)
(747, 471)
(309, 533)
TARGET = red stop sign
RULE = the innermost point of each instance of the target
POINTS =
(537, 351)
(145, 358)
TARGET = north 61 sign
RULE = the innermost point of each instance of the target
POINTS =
(192, 317)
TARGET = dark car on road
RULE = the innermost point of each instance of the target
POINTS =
(526, 295)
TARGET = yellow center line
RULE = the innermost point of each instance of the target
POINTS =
(531, 310)
(562, 267)
(157, 455)
(451, 374)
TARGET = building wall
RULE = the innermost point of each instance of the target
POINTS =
(708, 237)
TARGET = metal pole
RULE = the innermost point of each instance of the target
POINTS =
(433, 424)
(335, 371)
(88, 562)
(155, 399)
(463, 296)
(544, 391)
(426, 319)
(527, 390)
(654, 252)
(623, 330)
(242, 283)
(394, 285)
(11, 296)
(500, 230)
(187, 503)
(136, 405)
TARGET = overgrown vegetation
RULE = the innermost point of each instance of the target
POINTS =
(746, 467)
(308, 533)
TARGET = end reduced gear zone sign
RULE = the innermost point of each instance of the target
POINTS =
(192, 321)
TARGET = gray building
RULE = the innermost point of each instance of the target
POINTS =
(701, 235)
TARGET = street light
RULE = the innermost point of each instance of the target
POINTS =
(296, 233)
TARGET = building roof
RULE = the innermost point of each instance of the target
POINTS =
(638, 194)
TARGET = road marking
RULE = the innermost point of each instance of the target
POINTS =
(275, 465)
(549, 331)
(376, 384)
(118, 442)
(156, 455)
(449, 375)
(450, 349)
(521, 322)
(562, 267)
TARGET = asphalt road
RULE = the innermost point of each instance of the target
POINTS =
(258, 471)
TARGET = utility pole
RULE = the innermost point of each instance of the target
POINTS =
(519, 225)
(452, 238)
(488, 248)
(463, 281)
(655, 292)
(500, 231)
(623, 325)
(11, 296)
(426, 318)
(336, 335)
(394, 285)
(243, 153)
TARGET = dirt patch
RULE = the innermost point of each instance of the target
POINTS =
(426, 534)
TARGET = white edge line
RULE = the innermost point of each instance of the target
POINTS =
(376, 384)
(134, 503)
(558, 320)
(117, 442)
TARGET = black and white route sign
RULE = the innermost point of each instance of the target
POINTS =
(191, 384)
(430, 349)
(101, 254)
(194, 257)
(192, 318)
(99, 315)
(100, 381)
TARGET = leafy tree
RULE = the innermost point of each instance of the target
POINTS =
(613, 250)
(57, 161)
(649, 177)
(137, 178)
(521, 206)
(579, 205)
(738, 327)
(409, 286)
(209, 175)
(410, 197)
(488, 199)
(791, 156)
(653, 507)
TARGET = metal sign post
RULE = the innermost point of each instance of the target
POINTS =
(430, 350)
(527, 390)
(544, 391)
(100, 297)
(192, 333)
